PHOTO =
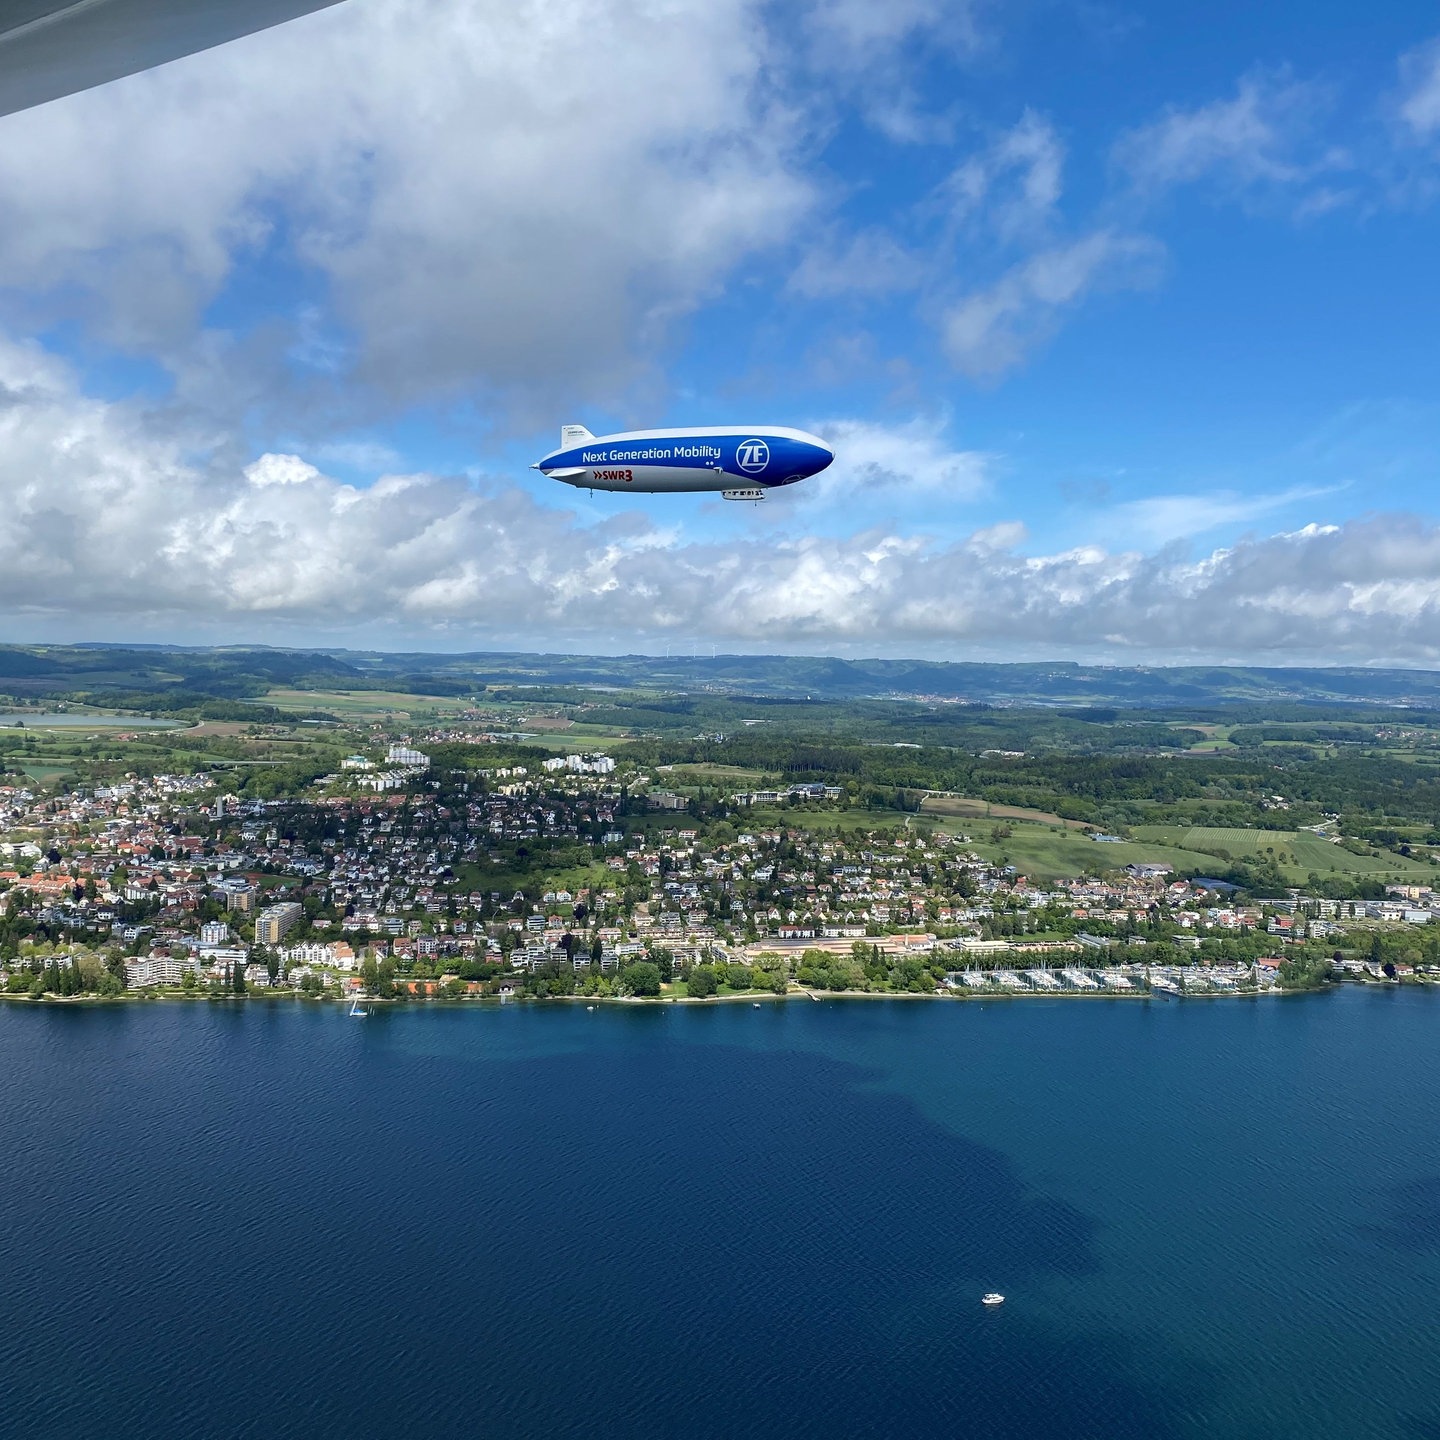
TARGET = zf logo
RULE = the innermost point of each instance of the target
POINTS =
(752, 456)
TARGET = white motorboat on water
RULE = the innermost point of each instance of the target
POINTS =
(993, 1298)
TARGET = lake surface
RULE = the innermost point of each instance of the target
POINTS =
(65, 720)
(1215, 1219)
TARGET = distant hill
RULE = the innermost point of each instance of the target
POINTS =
(145, 675)
(825, 677)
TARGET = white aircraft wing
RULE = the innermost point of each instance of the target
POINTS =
(50, 48)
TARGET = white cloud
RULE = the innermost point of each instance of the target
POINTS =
(106, 517)
(860, 35)
(1248, 139)
(870, 263)
(1014, 186)
(993, 330)
(1007, 535)
(894, 465)
(869, 53)
(1159, 519)
(1420, 89)
(279, 470)
(514, 197)
(369, 456)
(1009, 192)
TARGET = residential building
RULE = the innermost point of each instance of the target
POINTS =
(272, 925)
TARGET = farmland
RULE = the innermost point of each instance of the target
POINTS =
(1198, 786)
(1298, 854)
(360, 706)
(972, 809)
(1046, 852)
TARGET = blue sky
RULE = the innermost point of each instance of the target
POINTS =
(1123, 320)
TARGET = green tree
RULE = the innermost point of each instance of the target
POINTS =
(702, 982)
(1303, 972)
(641, 978)
(776, 980)
(385, 980)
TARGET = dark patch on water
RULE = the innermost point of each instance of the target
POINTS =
(1407, 1216)
(262, 1224)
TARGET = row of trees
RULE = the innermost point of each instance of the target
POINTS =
(83, 973)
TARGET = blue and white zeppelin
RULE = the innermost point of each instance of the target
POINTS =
(741, 463)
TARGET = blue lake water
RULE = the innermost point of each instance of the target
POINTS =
(1211, 1219)
(65, 720)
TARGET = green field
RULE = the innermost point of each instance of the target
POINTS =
(766, 817)
(573, 738)
(1299, 853)
(1046, 853)
(1217, 739)
(362, 704)
(43, 774)
(1238, 841)
(967, 808)
(711, 774)
(484, 876)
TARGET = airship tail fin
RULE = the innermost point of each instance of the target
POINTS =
(573, 435)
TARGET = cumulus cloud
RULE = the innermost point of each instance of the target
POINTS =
(109, 518)
(492, 196)
(992, 330)
(279, 470)
(1368, 590)
(105, 517)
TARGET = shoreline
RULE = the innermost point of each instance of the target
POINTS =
(756, 998)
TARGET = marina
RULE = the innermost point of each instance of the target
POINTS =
(1174, 982)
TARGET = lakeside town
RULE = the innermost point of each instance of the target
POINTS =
(400, 881)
